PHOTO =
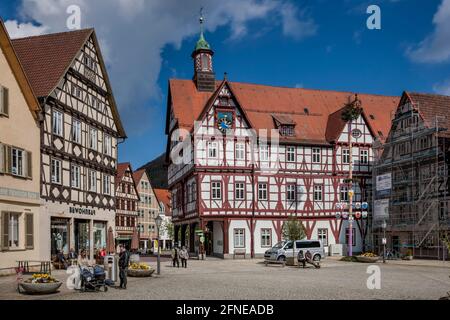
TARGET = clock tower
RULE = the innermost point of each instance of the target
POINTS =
(204, 76)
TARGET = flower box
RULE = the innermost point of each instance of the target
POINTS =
(367, 259)
(140, 272)
(40, 288)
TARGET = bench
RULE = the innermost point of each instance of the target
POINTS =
(282, 262)
(238, 252)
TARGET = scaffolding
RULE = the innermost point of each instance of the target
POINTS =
(416, 156)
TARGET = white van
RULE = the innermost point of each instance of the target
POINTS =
(283, 249)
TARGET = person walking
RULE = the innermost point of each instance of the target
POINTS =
(175, 260)
(184, 256)
(124, 260)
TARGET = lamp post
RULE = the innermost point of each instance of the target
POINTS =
(384, 226)
(158, 221)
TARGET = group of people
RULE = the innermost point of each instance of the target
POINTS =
(306, 257)
(180, 254)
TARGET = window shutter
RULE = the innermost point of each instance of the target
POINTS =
(5, 230)
(29, 166)
(7, 154)
(2, 158)
(1, 100)
(29, 231)
(5, 101)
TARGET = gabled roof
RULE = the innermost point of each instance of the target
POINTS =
(46, 59)
(260, 102)
(137, 175)
(18, 71)
(163, 195)
(430, 107)
(121, 169)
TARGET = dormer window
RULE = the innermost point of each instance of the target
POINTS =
(287, 130)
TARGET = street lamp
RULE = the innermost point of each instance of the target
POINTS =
(384, 226)
(158, 221)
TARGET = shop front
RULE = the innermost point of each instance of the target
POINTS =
(77, 228)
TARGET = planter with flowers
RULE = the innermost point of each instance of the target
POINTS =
(408, 255)
(140, 270)
(367, 257)
(40, 283)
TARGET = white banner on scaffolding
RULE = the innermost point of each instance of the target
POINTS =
(384, 185)
(381, 209)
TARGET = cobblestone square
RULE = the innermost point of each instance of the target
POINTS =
(249, 279)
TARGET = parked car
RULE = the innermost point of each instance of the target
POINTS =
(283, 249)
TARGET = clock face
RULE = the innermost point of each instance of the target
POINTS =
(224, 121)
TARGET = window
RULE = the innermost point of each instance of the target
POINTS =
(316, 155)
(262, 191)
(75, 176)
(322, 235)
(344, 193)
(364, 156)
(4, 101)
(57, 123)
(266, 237)
(205, 62)
(95, 102)
(106, 184)
(93, 138)
(17, 167)
(107, 145)
(216, 190)
(239, 191)
(347, 236)
(264, 152)
(318, 196)
(56, 171)
(290, 192)
(76, 91)
(10, 230)
(239, 238)
(240, 151)
(345, 155)
(92, 181)
(88, 61)
(287, 130)
(212, 149)
(76, 131)
(290, 154)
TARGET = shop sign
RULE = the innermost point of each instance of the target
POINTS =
(85, 211)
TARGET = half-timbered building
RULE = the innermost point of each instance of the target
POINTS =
(243, 158)
(127, 200)
(79, 133)
(148, 209)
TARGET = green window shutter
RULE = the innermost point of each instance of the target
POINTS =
(5, 230)
(29, 165)
(29, 231)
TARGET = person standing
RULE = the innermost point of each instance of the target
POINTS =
(124, 260)
(175, 260)
(184, 256)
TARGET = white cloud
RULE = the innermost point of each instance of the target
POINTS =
(133, 33)
(298, 85)
(435, 47)
(20, 30)
(442, 88)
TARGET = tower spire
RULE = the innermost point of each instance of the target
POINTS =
(204, 76)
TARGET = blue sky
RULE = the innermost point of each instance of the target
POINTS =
(321, 44)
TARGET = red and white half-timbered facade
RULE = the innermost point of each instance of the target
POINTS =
(243, 158)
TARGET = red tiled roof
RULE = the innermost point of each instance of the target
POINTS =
(260, 102)
(432, 107)
(46, 58)
(163, 195)
(121, 168)
(137, 175)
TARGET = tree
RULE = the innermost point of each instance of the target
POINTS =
(167, 227)
(293, 229)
